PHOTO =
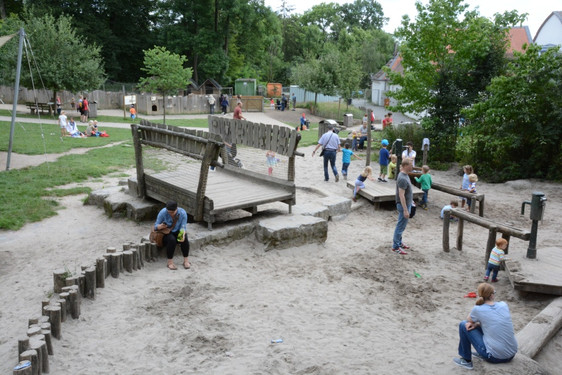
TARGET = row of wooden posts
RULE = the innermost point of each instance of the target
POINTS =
(36, 346)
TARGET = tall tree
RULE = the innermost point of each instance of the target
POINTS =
(72, 66)
(165, 73)
(513, 131)
(449, 56)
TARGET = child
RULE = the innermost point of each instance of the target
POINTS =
(354, 140)
(496, 257)
(271, 161)
(384, 155)
(467, 169)
(360, 182)
(453, 204)
(133, 112)
(392, 166)
(472, 179)
(425, 181)
(346, 159)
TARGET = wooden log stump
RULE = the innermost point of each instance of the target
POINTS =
(446, 224)
(32, 321)
(33, 331)
(146, 255)
(115, 266)
(63, 308)
(101, 265)
(90, 287)
(492, 234)
(31, 355)
(141, 252)
(43, 319)
(44, 303)
(107, 258)
(121, 264)
(55, 315)
(64, 296)
(23, 344)
(111, 250)
(42, 357)
(48, 341)
(128, 260)
(126, 246)
(23, 368)
(74, 304)
(72, 280)
(135, 252)
(82, 284)
(59, 280)
(154, 251)
(460, 230)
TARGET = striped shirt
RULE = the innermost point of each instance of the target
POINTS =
(496, 256)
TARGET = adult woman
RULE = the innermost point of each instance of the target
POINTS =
(489, 329)
(176, 219)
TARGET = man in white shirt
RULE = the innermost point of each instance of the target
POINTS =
(410, 153)
(330, 143)
(63, 123)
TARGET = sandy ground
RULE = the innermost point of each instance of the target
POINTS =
(349, 306)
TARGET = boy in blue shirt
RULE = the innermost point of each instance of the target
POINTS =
(346, 159)
(384, 156)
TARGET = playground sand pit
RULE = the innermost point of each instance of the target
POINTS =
(348, 306)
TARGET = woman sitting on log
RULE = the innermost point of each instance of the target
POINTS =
(489, 329)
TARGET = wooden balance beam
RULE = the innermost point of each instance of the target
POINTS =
(506, 230)
(382, 192)
(464, 194)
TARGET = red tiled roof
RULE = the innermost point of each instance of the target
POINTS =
(518, 37)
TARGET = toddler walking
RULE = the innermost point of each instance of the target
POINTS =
(360, 182)
(271, 161)
(384, 155)
(496, 257)
(346, 159)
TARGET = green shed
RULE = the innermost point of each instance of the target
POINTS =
(245, 87)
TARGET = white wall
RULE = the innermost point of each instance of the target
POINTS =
(551, 32)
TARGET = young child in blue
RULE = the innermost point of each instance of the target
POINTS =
(360, 182)
(384, 157)
(467, 169)
(346, 159)
(425, 181)
(496, 257)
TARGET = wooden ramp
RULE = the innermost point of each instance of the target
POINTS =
(541, 275)
(378, 192)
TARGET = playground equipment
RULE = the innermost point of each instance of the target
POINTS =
(537, 203)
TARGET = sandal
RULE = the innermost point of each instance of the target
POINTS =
(172, 267)
(187, 265)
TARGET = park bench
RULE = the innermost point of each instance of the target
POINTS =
(43, 107)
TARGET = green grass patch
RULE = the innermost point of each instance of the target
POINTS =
(26, 192)
(66, 192)
(37, 139)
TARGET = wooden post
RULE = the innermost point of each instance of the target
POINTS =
(128, 260)
(481, 206)
(369, 139)
(82, 284)
(55, 317)
(62, 303)
(23, 344)
(23, 368)
(37, 347)
(107, 258)
(142, 254)
(115, 266)
(44, 302)
(73, 280)
(34, 330)
(48, 341)
(425, 150)
(111, 250)
(141, 187)
(90, 287)
(446, 222)
(491, 242)
(64, 296)
(101, 265)
(59, 280)
(31, 355)
(32, 321)
(74, 304)
(135, 252)
(460, 229)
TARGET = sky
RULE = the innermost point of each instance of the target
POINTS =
(538, 10)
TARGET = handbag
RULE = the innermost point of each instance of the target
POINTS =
(322, 152)
(157, 236)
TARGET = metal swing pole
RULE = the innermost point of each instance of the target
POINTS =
(16, 92)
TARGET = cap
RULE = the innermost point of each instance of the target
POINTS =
(171, 205)
(384, 142)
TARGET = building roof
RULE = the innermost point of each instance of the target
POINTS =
(518, 37)
(557, 14)
(395, 65)
(212, 82)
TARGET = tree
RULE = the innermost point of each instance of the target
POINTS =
(62, 58)
(165, 73)
(447, 63)
(514, 129)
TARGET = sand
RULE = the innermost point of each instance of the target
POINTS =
(348, 306)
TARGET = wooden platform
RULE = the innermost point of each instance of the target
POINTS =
(378, 192)
(541, 275)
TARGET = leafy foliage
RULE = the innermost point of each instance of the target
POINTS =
(514, 129)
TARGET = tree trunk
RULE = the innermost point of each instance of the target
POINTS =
(164, 102)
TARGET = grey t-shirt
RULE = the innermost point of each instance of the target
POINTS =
(497, 326)
(403, 182)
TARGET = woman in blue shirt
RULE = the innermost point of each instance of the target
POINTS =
(176, 219)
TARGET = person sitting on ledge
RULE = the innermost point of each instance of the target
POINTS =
(165, 219)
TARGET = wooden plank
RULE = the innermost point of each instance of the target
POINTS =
(541, 275)
(538, 332)
(274, 138)
(487, 223)
(267, 136)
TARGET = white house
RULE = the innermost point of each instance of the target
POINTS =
(550, 32)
